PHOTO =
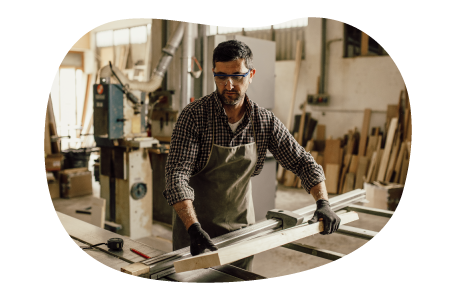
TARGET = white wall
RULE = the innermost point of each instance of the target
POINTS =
(352, 83)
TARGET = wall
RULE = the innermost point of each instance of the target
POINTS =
(352, 83)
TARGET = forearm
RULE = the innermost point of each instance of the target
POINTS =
(319, 191)
(186, 212)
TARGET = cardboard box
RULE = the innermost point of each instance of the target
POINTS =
(54, 162)
(53, 189)
(377, 197)
(75, 182)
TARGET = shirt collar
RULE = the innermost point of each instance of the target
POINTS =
(221, 112)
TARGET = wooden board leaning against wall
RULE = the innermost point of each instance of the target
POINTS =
(374, 155)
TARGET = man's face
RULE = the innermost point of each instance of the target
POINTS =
(229, 92)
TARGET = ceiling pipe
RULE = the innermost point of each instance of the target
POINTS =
(159, 72)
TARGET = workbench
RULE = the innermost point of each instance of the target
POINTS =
(85, 234)
(404, 255)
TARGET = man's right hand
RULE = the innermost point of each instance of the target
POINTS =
(199, 240)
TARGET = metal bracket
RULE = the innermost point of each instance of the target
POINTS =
(289, 218)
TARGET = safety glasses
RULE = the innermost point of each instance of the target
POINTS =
(234, 78)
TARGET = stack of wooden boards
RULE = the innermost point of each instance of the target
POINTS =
(360, 157)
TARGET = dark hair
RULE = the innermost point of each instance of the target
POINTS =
(232, 50)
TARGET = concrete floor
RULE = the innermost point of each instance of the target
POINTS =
(273, 263)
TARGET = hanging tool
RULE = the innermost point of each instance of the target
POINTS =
(196, 74)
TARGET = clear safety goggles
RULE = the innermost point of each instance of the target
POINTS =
(233, 78)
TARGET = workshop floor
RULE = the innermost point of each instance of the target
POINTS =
(273, 263)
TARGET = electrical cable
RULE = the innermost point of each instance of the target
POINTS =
(115, 244)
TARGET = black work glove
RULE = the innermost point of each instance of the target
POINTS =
(331, 221)
(199, 240)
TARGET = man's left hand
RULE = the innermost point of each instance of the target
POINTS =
(331, 221)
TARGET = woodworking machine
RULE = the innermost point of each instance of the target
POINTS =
(120, 117)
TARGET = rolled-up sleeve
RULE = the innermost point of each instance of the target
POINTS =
(181, 159)
(293, 156)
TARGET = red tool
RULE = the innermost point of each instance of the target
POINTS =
(139, 253)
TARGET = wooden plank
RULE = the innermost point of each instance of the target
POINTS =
(353, 164)
(309, 146)
(408, 135)
(349, 182)
(52, 126)
(314, 154)
(106, 55)
(364, 132)
(364, 44)
(371, 145)
(393, 158)
(387, 150)
(332, 177)
(373, 161)
(47, 136)
(341, 156)
(391, 112)
(301, 123)
(404, 168)
(295, 84)
(376, 167)
(379, 143)
(347, 160)
(245, 249)
(87, 138)
(86, 103)
(309, 130)
(288, 178)
(332, 152)
(123, 64)
(397, 167)
(361, 171)
(376, 131)
(321, 132)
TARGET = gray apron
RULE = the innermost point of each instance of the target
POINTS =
(223, 195)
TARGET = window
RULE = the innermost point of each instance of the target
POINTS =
(374, 39)
(121, 37)
(224, 29)
(68, 95)
(134, 35)
(138, 35)
(105, 38)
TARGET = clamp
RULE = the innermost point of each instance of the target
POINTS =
(289, 218)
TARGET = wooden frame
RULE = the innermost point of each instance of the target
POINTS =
(75, 67)
(365, 36)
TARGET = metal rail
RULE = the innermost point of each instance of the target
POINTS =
(370, 211)
(163, 265)
(335, 256)
(395, 236)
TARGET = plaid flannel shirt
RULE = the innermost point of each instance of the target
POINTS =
(192, 137)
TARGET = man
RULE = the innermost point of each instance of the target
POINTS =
(218, 143)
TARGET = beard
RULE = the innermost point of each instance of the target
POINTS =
(231, 99)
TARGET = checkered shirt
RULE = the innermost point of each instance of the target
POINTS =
(192, 138)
